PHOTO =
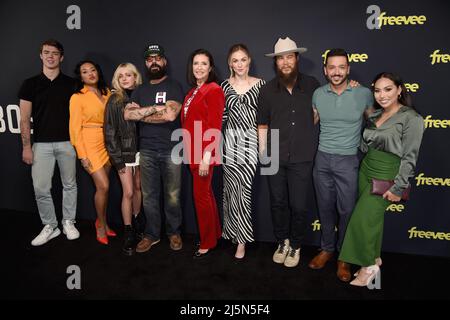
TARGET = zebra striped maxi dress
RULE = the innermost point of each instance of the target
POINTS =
(240, 155)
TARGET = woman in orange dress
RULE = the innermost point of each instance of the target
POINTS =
(87, 109)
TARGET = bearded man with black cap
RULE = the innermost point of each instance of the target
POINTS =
(156, 104)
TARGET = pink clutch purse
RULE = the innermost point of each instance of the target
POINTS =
(379, 187)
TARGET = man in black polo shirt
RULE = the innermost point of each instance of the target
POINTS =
(285, 104)
(157, 104)
(45, 97)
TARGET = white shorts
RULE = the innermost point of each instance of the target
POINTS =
(135, 163)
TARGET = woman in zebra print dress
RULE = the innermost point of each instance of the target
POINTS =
(240, 147)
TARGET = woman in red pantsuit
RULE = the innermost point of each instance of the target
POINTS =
(201, 118)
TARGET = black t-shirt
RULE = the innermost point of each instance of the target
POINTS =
(156, 136)
(292, 115)
(50, 106)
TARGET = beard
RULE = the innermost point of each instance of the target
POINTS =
(156, 72)
(288, 80)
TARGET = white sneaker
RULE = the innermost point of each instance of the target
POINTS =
(46, 235)
(280, 255)
(69, 230)
(292, 258)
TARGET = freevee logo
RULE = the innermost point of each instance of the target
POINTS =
(412, 87)
(378, 19)
(396, 208)
(439, 182)
(431, 235)
(438, 124)
(437, 57)
(316, 225)
(352, 57)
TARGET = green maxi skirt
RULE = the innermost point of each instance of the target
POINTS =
(364, 234)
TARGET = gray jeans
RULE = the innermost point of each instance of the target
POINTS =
(336, 183)
(45, 154)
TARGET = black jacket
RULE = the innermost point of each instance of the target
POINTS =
(120, 135)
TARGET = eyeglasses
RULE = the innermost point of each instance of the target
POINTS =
(154, 58)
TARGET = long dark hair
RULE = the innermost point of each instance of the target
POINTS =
(101, 85)
(212, 76)
(404, 98)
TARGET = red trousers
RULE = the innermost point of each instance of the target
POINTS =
(206, 208)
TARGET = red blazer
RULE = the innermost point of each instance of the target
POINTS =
(205, 112)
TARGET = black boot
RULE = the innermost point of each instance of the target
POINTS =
(139, 222)
(129, 244)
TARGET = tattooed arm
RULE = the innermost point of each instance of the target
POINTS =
(134, 112)
(167, 113)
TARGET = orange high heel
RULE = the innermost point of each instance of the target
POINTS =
(104, 239)
(110, 233)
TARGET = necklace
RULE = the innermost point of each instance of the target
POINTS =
(189, 100)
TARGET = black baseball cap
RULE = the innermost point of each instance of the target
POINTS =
(154, 49)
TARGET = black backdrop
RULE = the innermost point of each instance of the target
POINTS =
(111, 32)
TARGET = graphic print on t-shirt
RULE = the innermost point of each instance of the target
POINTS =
(160, 98)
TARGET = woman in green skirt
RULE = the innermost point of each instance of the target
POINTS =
(391, 142)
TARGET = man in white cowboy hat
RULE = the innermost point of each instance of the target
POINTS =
(285, 104)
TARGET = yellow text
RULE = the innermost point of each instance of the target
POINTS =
(396, 208)
(439, 182)
(352, 57)
(384, 20)
(412, 87)
(438, 124)
(414, 233)
(437, 57)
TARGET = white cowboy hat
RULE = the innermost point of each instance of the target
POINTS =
(284, 46)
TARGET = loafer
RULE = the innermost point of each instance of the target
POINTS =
(320, 260)
(343, 271)
(145, 244)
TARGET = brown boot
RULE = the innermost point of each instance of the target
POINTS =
(343, 271)
(319, 261)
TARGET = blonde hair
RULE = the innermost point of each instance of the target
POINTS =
(115, 80)
(234, 48)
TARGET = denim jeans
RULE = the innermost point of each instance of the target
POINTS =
(45, 154)
(158, 172)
